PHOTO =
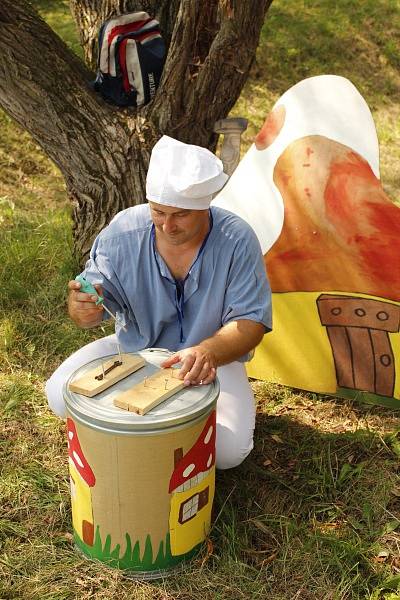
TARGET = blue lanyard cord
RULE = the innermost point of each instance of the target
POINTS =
(179, 302)
(180, 283)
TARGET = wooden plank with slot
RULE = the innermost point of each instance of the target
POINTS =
(88, 385)
(150, 392)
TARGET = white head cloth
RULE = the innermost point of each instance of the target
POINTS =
(183, 175)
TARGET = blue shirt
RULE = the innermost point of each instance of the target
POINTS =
(227, 281)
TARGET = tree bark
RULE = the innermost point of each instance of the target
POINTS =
(103, 151)
(44, 87)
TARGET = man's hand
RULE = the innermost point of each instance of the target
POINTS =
(82, 307)
(199, 365)
(233, 340)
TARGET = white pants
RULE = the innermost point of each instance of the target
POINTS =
(235, 405)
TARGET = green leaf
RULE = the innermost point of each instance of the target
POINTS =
(345, 473)
(390, 526)
(12, 403)
(392, 583)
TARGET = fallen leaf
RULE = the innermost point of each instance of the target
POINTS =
(260, 526)
(390, 526)
(42, 318)
(209, 551)
(395, 563)
(339, 429)
(324, 527)
(269, 559)
(276, 438)
(379, 559)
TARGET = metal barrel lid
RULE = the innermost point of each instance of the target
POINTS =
(100, 413)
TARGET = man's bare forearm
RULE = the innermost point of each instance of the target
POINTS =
(234, 340)
(199, 363)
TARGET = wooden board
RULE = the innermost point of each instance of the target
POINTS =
(150, 392)
(88, 385)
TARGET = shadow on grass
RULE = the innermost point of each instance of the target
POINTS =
(313, 513)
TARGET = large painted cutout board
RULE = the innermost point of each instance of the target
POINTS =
(310, 188)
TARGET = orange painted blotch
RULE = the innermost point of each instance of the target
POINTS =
(345, 237)
(362, 214)
(382, 266)
(303, 255)
(381, 250)
(340, 201)
(285, 179)
(386, 218)
(271, 128)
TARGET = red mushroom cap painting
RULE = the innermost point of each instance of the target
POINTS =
(76, 455)
(200, 457)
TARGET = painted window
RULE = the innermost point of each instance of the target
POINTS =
(192, 505)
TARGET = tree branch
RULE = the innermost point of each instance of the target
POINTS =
(102, 153)
(43, 85)
(211, 52)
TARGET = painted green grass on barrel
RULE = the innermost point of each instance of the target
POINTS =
(132, 559)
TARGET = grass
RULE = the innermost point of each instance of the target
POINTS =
(358, 40)
(314, 512)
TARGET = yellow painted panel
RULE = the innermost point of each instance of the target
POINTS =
(395, 343)
(297, 353)
(81, 500)
(184, 537)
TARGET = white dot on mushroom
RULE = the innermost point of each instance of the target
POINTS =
(209, 461)
(208, 435)
(188, 470)
(78, 459)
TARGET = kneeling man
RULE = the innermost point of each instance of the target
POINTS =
(183, 276)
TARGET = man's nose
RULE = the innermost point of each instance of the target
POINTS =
(169, 224)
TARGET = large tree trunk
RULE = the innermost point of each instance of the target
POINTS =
(103, 151)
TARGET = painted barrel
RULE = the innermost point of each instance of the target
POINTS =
(142, 487)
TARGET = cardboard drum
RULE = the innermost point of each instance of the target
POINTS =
(142, 486)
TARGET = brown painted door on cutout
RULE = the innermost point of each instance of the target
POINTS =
(358, 331)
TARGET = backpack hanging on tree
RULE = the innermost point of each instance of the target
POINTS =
(131, 59)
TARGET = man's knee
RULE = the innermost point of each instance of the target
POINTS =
(232, 447)
(54, 393)
(55, 385)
